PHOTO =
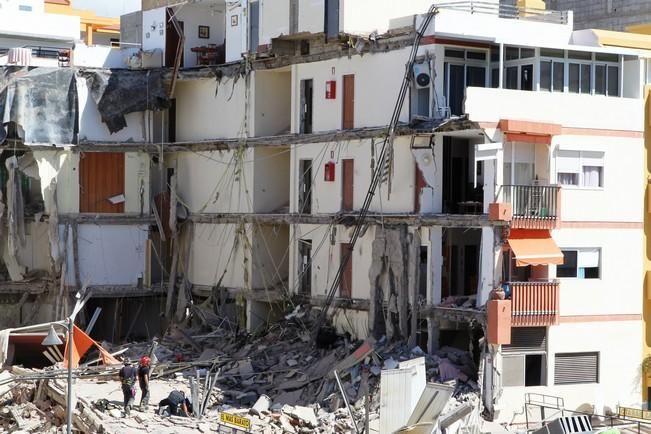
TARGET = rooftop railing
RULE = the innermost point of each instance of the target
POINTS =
(505, 11)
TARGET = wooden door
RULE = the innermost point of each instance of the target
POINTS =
(348, 167)
(101, 177)
(172, 39)
(346, 285)
(349, 102)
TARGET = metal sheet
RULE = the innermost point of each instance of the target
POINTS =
(400, 390)
(431, 403)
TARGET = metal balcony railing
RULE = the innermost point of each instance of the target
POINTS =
(534, 303)
(532, 201)
(505, 11)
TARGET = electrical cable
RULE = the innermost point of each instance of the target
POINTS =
(378, 172)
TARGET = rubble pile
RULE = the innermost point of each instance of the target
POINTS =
(279, 380)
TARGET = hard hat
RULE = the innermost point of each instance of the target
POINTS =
(145, 361)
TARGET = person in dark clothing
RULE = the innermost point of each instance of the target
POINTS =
(128, 379)
(143, 379)
(177, 404)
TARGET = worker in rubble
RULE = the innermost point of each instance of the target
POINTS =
(128, 379)
(143, 380)
(177, 404)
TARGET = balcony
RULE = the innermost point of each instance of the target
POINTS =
(534, 304)
(533, 206)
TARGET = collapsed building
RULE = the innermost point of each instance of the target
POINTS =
(233, 177)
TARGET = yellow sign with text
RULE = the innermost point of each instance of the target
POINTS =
(238, 421)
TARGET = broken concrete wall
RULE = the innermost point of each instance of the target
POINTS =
(392, 280)
(352, 321)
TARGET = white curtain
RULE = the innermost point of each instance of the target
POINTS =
(567, 178)
(591, 176)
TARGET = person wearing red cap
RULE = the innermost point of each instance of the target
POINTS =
(143, 379)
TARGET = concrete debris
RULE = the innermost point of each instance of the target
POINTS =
(278, 381)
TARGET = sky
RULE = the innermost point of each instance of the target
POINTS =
(108, 8)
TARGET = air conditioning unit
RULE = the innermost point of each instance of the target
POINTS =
(421, 75)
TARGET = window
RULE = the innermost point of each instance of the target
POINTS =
(576, 368)
(24, 8)
(552, 75)
(524, 361)
(579, 77)
(580, 168)
(580, 264)
(462, 68)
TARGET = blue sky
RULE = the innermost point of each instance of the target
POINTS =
(108, 8)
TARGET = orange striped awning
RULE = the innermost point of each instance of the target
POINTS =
(534, 247)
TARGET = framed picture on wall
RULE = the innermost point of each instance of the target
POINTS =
(234, 20)
(204, 32)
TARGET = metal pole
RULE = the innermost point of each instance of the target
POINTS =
(69, 397)
(343, 394)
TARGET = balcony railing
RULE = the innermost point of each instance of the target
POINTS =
(505, 11)
(534, 303)
(533, 204)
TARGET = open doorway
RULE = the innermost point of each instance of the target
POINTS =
(460, 274)
(460, 194)
(172, 39)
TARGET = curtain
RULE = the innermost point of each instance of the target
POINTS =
(591, 176)
(567, 178)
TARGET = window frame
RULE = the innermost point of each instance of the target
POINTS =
(576, 276)
(581, 165)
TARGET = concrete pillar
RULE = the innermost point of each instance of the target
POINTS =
(433, 335)
(436, 261)
(89, 35)
(486, 266)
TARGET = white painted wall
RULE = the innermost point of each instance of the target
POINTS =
(195, 15)
(208, 182)
(153, 28)
(62, 167)
(108, 254)
(35, 253)
(270, 256)
(326, 259)
(37, 6)
(38, 25)
(372, 106)
(91, 126)
(218, 250)
(570, 110)
(620, 357)
(274, 19)
(137, 182)
(235, 34)
(102, 56)
(327, 195)
(311, 16)
(622, 186)
(200, 114)
(491, 27)
(273, 102)
(365, 16)
(271, 179)
(618, 289)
